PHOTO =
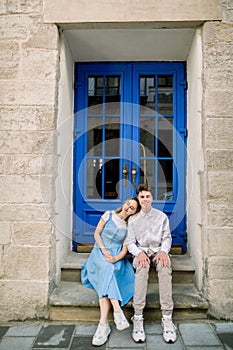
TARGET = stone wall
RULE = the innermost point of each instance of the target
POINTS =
(28, 100)
(29, 75)
(217, 182)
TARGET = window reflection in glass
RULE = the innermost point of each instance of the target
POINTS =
(165, 137)
(147, 137)
(94, 136)
(147, 94)
(165, 179)
(94, 166)
(147, 173)
(112, 137)
(95, 90)
(165, 94)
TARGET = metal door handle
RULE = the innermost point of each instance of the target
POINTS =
(134, 173)
(125, 172)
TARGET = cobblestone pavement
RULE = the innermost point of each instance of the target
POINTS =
(206, 335)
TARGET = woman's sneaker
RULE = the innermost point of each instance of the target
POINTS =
(169, 329)
(101, 335)
(138, 333)
(120, 320)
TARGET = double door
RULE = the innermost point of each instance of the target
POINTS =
(129, 128)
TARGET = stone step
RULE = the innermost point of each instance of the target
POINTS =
(71, 301)
(182, 266)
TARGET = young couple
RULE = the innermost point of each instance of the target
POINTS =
(144, 232)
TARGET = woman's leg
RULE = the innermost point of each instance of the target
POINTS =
(118, 315)
(105, 305)
(115, 305)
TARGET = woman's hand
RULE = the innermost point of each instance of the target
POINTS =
(106, 252)
(111, 259)
(107, 256)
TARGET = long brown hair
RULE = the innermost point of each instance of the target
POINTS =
(129, 199)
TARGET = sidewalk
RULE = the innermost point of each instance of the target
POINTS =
(196, 335)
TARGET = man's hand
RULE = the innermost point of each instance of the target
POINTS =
(143, 259)
(163, 258)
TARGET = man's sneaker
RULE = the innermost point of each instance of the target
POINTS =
(120, 320)
(169, 329)
(101, 335)
(138, 333)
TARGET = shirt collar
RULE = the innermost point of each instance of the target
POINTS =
(147, 215)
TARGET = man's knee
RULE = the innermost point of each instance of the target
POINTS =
(139, 269)
(163, 269)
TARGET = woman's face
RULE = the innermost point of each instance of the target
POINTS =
(130, 207)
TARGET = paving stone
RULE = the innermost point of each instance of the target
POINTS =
(196, 334)
(157, 342)
(224, 327)
(204, 348)
(224, 331)
(123, 339)
(227, 340)
(84, 343)
(3, 330)
(85, 330)
(54, 337)
(153, 329)
(23, 331)
(16, 343)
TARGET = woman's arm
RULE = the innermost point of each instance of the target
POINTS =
(119, 256)
(97, 236)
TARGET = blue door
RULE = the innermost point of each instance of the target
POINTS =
(129, 128)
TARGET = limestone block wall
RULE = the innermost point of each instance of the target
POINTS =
(217, 182)
(28, 100)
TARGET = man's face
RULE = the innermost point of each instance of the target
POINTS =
(145, 199)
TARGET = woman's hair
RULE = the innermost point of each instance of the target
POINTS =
(129, 199)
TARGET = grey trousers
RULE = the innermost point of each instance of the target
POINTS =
(141, 284)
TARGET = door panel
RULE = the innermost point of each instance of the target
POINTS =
(129, 128)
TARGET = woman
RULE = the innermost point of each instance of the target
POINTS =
(108, 271)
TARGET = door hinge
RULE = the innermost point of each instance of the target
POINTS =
(76, 85)
(184, 131)
(184, 83)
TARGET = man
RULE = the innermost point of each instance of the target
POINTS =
(149, 241)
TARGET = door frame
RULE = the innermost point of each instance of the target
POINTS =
(179, 71)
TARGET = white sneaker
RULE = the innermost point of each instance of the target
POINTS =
(138, 333)
(120, 320)
(169, 329)
(101, 335)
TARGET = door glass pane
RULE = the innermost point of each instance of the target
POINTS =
(165, 137)
(94, 137)
(95, 90)
(113, 95)
(147, 137)
(147, 173)
(112, 137)
(111, 170)
(147, 94)
(165, 179)
(165, 94)
(94, 170)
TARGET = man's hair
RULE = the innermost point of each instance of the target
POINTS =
(143, 187)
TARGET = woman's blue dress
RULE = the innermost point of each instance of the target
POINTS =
(114, 280)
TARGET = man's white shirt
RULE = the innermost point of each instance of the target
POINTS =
(149, 231)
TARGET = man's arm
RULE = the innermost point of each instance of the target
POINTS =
(166, 237)
(162, 256)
